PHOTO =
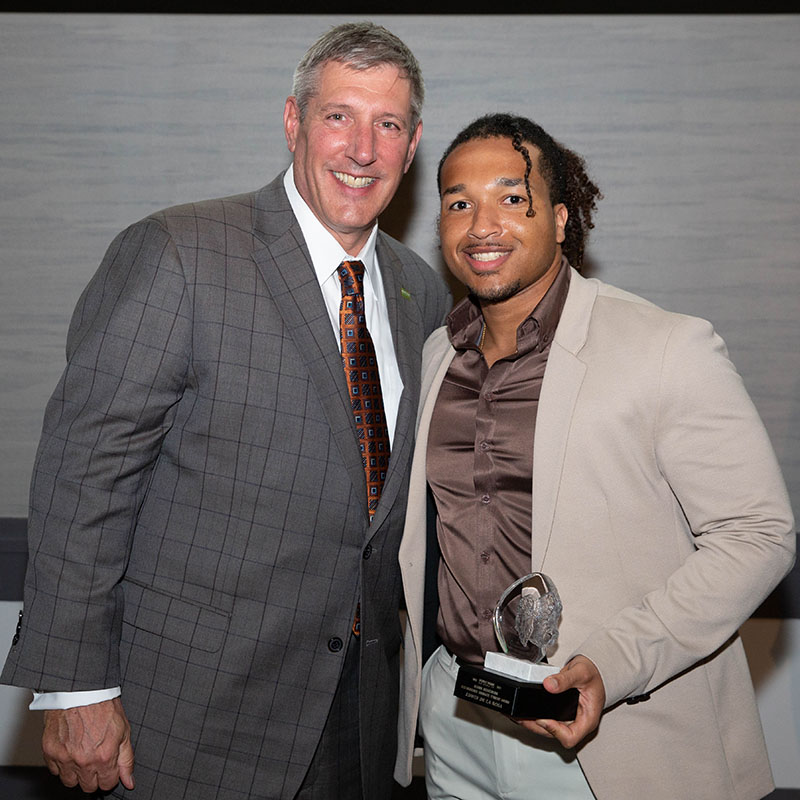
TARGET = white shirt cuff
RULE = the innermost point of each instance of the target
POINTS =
(50, 700)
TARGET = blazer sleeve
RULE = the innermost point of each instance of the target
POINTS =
(712, 449)
(128, 352)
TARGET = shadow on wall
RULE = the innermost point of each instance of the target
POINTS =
(766, 645)
(22, 730)
(764, 636)
(397, 218)
(785, 600)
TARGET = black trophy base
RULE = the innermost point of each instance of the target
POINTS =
(514, 697)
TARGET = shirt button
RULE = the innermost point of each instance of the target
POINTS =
(485, 557)
(335, 644)
(487, 396)
(487, 613)
(486, 499)
(485, 446)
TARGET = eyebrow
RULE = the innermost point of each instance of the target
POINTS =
(456, 189)
(461, 187)
(335, 107)
(350, 109)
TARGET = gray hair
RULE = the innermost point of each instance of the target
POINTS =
(359, 45)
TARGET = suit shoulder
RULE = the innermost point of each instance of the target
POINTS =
(623, 305)
(238, 210)
(607, 292)
(226, 226)
(231, 210)
(624, 325)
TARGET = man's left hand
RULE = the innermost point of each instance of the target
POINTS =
(581, 674)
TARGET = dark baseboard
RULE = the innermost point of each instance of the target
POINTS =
(36, 783)
(13, 558)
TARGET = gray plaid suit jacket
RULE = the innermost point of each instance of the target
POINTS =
(198, 525)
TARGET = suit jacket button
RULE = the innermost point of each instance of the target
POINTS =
(335, 644)
(367, 552)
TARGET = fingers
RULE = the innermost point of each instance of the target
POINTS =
(569, 734)
(578, 673)
(535, 726)
(581, 674)
(69, 779)
(71, 775)
(125, 763)
(89, 746)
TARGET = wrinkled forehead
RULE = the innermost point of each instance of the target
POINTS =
(380, 80)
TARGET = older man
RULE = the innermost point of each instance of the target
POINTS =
(219, 490)
(572, 428)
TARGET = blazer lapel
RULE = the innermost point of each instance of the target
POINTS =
(407, 331)
(413, 546)
(285, 265)
(562, 381)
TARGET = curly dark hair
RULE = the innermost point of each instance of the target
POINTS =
(563, 171)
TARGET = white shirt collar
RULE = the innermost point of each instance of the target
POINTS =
(326, 253)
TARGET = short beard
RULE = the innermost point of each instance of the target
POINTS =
(497, 295)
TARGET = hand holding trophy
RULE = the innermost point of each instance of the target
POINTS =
(526, 625)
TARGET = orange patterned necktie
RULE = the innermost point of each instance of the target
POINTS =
(363, 381)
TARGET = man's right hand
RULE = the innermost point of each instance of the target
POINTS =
(89, 745)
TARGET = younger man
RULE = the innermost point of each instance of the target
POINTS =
(571, 428)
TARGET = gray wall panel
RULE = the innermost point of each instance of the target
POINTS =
(689, 125)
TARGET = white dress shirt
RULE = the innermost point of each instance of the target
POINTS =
(326, 255)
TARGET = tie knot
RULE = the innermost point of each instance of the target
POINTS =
(351, 274)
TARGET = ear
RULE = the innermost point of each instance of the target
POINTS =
(291, 122)
(561, 215)
(412, 146)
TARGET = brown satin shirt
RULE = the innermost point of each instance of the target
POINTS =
(480, 468)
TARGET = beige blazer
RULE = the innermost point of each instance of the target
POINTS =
(660, 513)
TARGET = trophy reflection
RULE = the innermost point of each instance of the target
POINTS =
(526, 625)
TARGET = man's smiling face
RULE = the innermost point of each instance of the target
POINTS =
(353, 147)
(503, 247)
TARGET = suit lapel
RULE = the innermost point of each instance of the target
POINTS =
(286, 268)
(562, 381)
(407, 331)
(285, 265)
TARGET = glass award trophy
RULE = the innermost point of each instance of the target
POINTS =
(526, 625)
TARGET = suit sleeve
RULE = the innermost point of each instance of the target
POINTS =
(128, 354)
(713, 451)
